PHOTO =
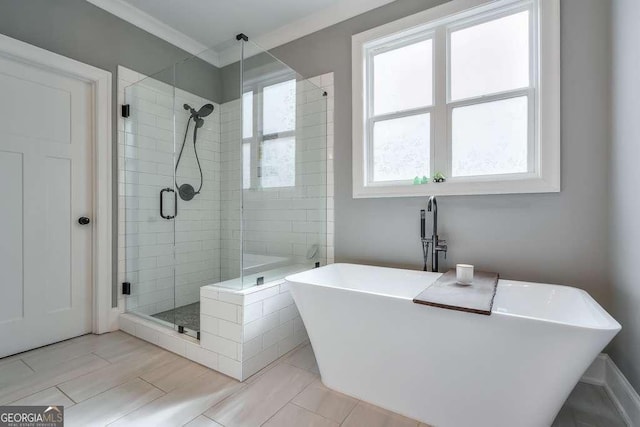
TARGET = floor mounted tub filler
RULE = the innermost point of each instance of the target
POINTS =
(448, 368)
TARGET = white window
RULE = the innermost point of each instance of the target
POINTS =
(268, 131)
(467, 91)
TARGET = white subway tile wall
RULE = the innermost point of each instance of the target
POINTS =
(248, 335)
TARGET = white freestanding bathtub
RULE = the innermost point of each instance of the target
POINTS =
(514, 368)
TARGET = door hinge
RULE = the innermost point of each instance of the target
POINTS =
(126, 110)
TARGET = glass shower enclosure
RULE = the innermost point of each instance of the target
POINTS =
(225, 181)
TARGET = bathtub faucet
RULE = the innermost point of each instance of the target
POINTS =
(435, 243)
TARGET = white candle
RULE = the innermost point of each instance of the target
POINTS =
(464, 274)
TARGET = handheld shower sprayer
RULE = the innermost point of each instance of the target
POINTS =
(186, 191)
(197, 116)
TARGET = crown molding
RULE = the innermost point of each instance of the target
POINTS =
(148, 23)
(341, 11)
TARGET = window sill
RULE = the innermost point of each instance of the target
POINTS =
(459, 188)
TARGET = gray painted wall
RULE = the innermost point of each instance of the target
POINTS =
(230, 77)
(557, 238)
(81, 31)
(625, 176)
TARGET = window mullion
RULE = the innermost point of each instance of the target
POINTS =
(401, 114)
(440, 123)
(515, 93)
(278, 135)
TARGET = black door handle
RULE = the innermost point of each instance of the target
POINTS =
(83, 220)
(169, 190)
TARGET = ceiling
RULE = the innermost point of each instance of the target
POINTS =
(197, 25)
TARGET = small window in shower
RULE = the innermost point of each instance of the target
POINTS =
(278, 145)
(279, 108)
(269, 134)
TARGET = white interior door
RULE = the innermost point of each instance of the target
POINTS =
(45, 187)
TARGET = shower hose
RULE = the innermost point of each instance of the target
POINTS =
(195, 150)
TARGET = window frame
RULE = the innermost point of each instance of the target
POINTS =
(543, 95)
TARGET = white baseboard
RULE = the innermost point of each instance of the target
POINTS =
(605, 373)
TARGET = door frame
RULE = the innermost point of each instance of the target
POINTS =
(105, 317)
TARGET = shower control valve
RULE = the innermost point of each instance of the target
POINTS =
(442, 247)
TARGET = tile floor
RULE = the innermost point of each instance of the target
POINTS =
(118, 380)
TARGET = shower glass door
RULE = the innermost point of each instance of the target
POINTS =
(149, 204)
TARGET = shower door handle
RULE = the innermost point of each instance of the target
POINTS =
(168, 190)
